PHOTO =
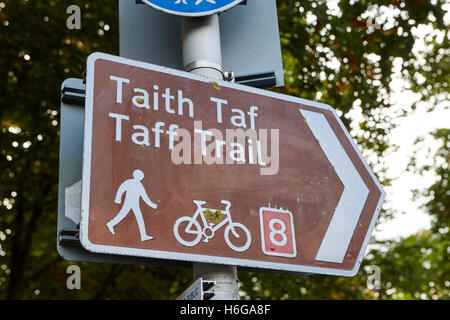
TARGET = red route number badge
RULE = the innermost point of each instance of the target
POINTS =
(277, 232)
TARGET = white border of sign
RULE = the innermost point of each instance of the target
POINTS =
(193, 14)
(84, 227)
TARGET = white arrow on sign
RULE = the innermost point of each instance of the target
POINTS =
(348, 211)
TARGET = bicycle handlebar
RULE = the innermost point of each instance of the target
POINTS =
(227, 204)
(199, 203)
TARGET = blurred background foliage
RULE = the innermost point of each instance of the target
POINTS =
(342, 53)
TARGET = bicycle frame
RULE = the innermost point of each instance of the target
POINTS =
(207, 224)
(208, 230)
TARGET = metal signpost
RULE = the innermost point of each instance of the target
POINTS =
(292, 194)
(185, 167)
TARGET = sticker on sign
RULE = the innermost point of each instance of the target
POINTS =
(180, 167)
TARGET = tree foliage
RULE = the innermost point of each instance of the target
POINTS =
(339, 52)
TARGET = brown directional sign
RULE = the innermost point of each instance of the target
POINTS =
(177, 166)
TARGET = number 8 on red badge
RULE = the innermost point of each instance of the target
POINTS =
(277, 232)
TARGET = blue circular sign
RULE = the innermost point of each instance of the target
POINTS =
(192, 8)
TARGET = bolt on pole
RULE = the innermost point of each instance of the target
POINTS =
(202, 55)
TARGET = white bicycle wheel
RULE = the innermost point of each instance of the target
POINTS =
(237, 225)
(198, 231)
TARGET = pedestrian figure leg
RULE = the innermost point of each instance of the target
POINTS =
(119, 217)
(140, 221)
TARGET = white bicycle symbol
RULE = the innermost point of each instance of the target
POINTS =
(193, 227)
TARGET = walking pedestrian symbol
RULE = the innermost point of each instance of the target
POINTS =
(134, 191)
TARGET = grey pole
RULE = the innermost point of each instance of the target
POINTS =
(202, 52)
(202, 55)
